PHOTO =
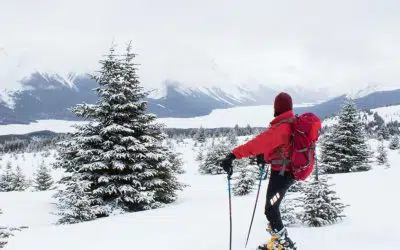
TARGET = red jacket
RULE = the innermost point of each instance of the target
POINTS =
(271, 142)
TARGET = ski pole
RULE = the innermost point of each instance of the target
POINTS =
(262, 166)
(230, 211)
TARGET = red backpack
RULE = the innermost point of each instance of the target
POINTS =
(306, 130)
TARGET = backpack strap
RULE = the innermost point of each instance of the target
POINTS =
(289, 120)
(284, 162)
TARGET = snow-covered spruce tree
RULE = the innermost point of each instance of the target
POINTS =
(394, 143)
(200, 156)
(321, 205)
(383, 132)
(210, 164)
(344, 148)
(76, 202)
(297, 187)
(382, 158)
(245, 181)
(291, 209)
(119, 154)
(232, 137)
(20, 183)
(200, 135)
(7, 179)
(43, 180)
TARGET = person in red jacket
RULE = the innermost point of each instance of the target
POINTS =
(274, 144)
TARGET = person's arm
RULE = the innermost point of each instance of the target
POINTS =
(264, 143)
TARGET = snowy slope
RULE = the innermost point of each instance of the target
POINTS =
(57, 126)
(255, 116)
(391, 113)
(199, 219)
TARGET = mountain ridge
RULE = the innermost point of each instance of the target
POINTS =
(47, 95)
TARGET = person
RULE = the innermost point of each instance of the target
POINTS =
(275, 145)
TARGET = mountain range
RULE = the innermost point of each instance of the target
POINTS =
(49, 96)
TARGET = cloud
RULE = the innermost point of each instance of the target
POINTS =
(308, 43)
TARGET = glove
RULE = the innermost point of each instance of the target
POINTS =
(260, 161)
(226, 163)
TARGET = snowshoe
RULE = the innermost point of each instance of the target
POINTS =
(278, 241)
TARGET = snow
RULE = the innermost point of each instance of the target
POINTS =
(362, 92)
(199, 219)
(57, 126)
(29, 162)
(255, 116)
(391, 113)
(6, 98)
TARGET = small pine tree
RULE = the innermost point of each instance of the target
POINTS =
(383, 132)
(211, 163)
(321, 205)
(7, 183)
(200, 156)
(232, 137)
(246, 179)
(344, 148)
(394, 143)
(382, 157)
(20, 183)
(200, 135)
(43, 180)
(291, 209)
(297, 187)
(76, 203)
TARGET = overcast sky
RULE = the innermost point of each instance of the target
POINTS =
(338, 44)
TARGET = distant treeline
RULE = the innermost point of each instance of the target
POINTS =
(212, 132)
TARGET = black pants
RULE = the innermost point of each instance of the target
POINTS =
(277, 187)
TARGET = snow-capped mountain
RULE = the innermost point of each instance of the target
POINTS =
(46, 95)
(364, 91)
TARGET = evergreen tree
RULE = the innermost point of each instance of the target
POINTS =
(20, 183)
(344, 148)
(291, 209)
(211, 162)
(247, 177)
(119, 154)
(4, 234)
(7, 183)
(297, 187)
(382, 157)
(232, 137)
(249, 130)
(43, 180)
(200, 156)
(200, 135)
(394, 143)
(322, 206)
(383, 132)
(76, 202)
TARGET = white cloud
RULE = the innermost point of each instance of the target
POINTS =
(336, 44)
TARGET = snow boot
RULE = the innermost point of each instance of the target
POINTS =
(278, 241)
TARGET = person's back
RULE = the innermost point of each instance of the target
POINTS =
(275, 145)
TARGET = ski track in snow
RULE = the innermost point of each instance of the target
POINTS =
(199, 219)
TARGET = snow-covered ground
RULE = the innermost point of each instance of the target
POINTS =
(256, 116)
(389, 114)
(199, 219)
(58, 126)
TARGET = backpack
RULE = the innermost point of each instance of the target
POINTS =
(306, 130)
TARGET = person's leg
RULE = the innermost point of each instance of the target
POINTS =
(277, 187)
